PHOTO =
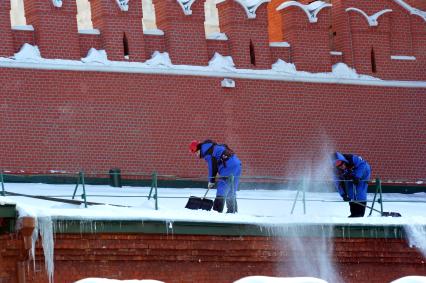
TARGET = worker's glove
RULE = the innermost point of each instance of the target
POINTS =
(355, 180)
(351, 177)
(211, 185)
(346, 198)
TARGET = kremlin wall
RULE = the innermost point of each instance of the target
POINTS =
(97, 119)
(62, 114)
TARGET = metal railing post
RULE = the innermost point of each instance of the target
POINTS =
(154, 185)
(84, 189)
(295, 200)
(80, 180)
(381, 197)
(76, 186)
(234, 193)
(3, 193)
(378, 190)
(303, 184)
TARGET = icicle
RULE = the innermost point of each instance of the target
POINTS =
(46, 232)
(416, 236)
(34, 238)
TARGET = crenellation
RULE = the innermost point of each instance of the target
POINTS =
(184, 33)
(248, 37)
(301, 31)
(121, 31)
(54, 24)
(367, 33)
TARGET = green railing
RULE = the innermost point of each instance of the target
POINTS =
(153, 179)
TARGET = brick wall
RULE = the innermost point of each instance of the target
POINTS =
(56, 34)
(248, 37)
(121, 31)
(141, 123)
(184, 34)
(191, 258)
(6, 46)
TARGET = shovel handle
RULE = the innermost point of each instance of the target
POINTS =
(208, 189)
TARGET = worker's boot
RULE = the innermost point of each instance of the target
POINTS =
(218, 204)
(231, 204)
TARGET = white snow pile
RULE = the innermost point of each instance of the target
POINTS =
(415, 235)
(28, 53)
(159, 59)
(221, 63)
(217, 36)
(96, 56)
(339, 70)
(316, 5)
(282, 66)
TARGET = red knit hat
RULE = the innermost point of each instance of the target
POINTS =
(193, 146)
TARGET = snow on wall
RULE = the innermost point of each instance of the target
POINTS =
(311, 10)
(373, 19)
(412, 10)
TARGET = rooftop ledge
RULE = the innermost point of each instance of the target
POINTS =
(227, 229)
(7, 210)
(199, 71)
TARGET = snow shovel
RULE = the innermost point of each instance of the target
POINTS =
(199, 203)
(385, 214)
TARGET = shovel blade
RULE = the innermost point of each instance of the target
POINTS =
(206, 204)
(199, 203)
(391, 214)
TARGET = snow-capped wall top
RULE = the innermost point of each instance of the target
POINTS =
(310, 10)
(412, 10)
(372, 20)
(250, 6)
(186, 6)
(123, 5)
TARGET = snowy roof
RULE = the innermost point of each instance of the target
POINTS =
(265, 208)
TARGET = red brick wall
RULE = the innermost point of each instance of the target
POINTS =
(396, 34)
(55, 28)
(419, 4)
(117, 26)
(88, 41)
(310, 42)
(180, 258)
(20, 37)
(143, 123)
(248, 37)
(274, 21)
(153, 43)
(6, 46)
(184, 34)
